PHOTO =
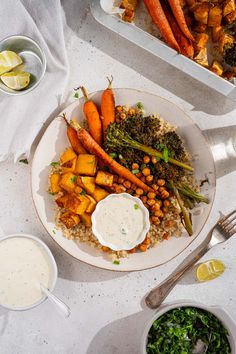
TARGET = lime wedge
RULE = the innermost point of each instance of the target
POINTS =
(16, 80)
(8, 61)
(209, 270)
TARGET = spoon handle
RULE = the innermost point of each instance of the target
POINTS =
(61, 306)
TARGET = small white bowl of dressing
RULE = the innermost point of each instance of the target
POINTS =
(25, 263)
(120, 222)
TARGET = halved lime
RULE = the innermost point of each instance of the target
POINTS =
(16, 80)
(209, 270)
(8, 61)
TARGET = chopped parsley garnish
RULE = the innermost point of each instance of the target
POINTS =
(140, 105)
(143, 166)
(135, 172)
(83, 192)
(54, 232)
(74, 179)
(54, 164)
(52, 193)
(25, 161)
(136, 206)
(166, 154)
(113, 155)
(76, 95)
(116, 262)
(179, 331)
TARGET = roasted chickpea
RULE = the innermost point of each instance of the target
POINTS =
(159, 213)
(161, 182)
(151, 202)
(149, 178)
(166, 203)
(154, 160)
(135, 166)
(131, 112)
(139, 191)
(155, 220)
(144, 198)
(121, 180)
(118, 108)
(146, 171)
(122, 116)
(146, 159)
(143, 247)
(143, 179)
(165, 195)
(139, 174)
(155, 187)
(151, 195)
(161, 189)
(127, 184)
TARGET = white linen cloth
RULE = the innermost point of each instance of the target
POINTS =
(23, 116)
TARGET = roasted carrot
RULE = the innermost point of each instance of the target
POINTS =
(185, 44)
(73, 138)
(108, 106)
(158, 16)
(93, 148)
(93, 117)
(179, 16)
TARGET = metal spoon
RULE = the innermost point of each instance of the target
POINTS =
(60, 306)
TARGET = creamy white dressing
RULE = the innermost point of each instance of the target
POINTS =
(24, 264)
(120, 221)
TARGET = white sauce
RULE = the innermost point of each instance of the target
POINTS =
(120, 221)
(24, 264)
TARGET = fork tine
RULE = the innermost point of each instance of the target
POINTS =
(226, 217)
(228, 221)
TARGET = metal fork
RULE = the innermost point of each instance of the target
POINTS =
(222, 231)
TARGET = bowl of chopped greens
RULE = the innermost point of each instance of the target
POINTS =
(189, 328)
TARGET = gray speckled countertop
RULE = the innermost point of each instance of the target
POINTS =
(107, 316)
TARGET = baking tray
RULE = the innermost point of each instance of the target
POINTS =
(158, 48)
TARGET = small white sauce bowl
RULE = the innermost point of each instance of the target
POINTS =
(53, 268)
(222, 315)
(146, 225)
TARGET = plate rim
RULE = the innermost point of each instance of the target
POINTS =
(110, 268)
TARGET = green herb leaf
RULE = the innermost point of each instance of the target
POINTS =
(116, 262)
(136, 206)
(54, 232)
(113, 155)
(106, 168)
(143, 166)
(54, 164)
(83, 192)
(52, 193)
(166, 154)
(140, 105)
(76, 95)
(74, 179)
(25, 161)
(135, 172)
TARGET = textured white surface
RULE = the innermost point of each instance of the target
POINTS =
(107, 315)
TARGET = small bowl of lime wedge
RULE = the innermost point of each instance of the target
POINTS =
(22, 65)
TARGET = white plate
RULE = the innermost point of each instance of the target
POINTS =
(54, 141)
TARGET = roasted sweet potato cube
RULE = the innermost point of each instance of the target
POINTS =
(130, 7)
(104, 179)
(230, 18)
(86, 165)
(88, 184)
(86, 219)
(78, 190)
(217, 68)
(92, 204)
(77, 203)
(68, 160)
(229, 6)
(225, 41)
(54, 183)
(201, 12)
(215, 33)
(69, 219)
(99, 194)
(68, 181)
(61, 201)
(201, 41)
(201, 57)
(215, 16)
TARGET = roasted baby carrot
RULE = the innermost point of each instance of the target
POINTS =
(159, 18)
(185, 44)
(179, 16)
(73, 138)
(108, 106)
(93, 148)
(93, 117)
